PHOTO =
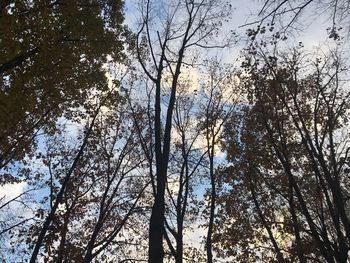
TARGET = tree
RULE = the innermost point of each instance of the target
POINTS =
(91, 194)
(219, 99)
(292, 161)
(52, 64)
(53, 54)
(61, 192)
(183, 165)
(184, 25)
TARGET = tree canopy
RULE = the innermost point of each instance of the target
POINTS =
(52, 57)
(130, 132)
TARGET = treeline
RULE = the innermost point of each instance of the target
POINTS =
(134, 143)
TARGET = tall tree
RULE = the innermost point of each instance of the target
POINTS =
(185, 164)
(293, 155)
(183, 25)
(90, 194)
(219, 99)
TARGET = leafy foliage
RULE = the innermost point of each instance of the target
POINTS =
(53, 54)
(289, 161)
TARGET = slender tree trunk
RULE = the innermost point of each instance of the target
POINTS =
(181, 210)
(63, 234)
(209, 245)
(179, 237)
(296, 229)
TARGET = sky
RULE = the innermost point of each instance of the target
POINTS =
(311, 27)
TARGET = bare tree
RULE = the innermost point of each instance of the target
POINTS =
(183, 25)
(184, 165)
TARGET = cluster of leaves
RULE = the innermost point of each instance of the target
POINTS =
(289, 164)
(52, 53)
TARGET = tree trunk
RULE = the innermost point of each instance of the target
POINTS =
(156, 229)
(212, 207)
